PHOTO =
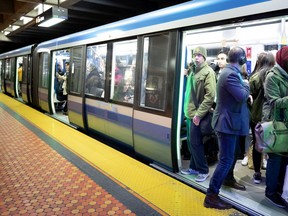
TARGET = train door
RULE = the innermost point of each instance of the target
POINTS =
(95, 79)
(122, 85)
(75, 87)
(26, 79)
(9, 77)
(44, 80)
(59, 83)
(152, 119)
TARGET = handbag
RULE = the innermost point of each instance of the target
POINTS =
(271, 137)
(205, 124)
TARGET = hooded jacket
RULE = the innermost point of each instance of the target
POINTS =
(276, 89)
(276, 95)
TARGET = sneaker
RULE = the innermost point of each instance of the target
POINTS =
(264, 163)
(201, 177)
(189, 172)
(257, 178)
(244, 162)
(276, 200)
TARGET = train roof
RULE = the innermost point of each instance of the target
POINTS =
(161, 19)
(18, 52)
(181, 15)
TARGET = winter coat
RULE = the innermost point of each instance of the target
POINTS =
(202, 80)
(276, 95)
(257, 92)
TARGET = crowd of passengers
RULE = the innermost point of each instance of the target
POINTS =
(238, 101)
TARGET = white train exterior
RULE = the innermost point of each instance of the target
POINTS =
(126, 79)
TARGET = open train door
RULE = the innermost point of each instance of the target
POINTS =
(75, 86)
(154, 126)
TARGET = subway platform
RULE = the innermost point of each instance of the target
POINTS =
(49, 168)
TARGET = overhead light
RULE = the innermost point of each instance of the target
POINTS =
(52, 16)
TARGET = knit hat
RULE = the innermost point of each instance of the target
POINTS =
(282, 58)
(200, 50)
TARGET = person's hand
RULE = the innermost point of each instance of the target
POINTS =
(196, 120)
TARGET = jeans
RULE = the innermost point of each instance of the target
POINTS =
(275, 173)
(196, 147)
(230, 174)
(227, 145)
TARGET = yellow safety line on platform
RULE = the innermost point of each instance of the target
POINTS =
(168, 194)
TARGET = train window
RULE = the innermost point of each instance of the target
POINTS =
(76, 70)
(96, 70)
(25, 67)
(7, 69)
(44, 69)
(123, 71)
(154, 71)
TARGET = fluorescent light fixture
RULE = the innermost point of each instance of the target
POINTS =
(26, 19)
(52, 16)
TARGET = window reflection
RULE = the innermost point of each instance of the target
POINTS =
(123, 71)
(96, 70)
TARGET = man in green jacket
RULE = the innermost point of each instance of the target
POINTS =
(202, 81)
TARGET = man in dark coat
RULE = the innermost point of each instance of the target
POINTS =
(230, 120)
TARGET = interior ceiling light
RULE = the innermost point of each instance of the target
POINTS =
(52, 16)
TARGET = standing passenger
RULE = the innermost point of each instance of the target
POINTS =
(275, 108)
(265, 62)
(230, 119)
(202, 81)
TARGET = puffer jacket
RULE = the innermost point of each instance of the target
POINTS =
(203, 81)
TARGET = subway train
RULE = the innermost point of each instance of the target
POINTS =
(124, 81)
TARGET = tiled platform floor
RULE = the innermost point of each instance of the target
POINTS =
(36, 180)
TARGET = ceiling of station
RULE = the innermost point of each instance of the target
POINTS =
(82, 14)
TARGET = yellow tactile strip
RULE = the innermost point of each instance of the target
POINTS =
(36, 180)
(163, 193)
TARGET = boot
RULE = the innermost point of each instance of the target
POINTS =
(213, 201)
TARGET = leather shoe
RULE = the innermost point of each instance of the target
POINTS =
(235, 185)
(213, 201)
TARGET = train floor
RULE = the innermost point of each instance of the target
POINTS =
(252, 198)
(49, 168)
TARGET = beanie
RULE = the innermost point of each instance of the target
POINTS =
(282, 58)
(200, 50)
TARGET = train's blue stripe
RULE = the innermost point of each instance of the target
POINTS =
(146, 129)
(152, 131)
(181, 11)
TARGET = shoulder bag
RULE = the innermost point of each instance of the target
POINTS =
(272, 136)
(205, 122)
